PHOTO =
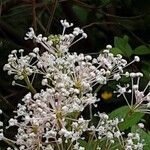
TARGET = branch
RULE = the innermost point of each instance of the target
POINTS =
(119, 24)
(82, 4)
(7, 31)
(54, 6)
(34, 15)
(4, 100)
(121, 17)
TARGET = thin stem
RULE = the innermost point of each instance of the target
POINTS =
(146, 86)
(29, 85)
(91, 138)
(136, 106)
(106, 144)
(33, 78)
(91, 116)
(4, 100)
(70, 145)
(138, 80)
(76, 41)
(132, 83)
(127, 101)
(20, 85)
(121, 140)
(97, 89)
(40, 25)
(9, 142)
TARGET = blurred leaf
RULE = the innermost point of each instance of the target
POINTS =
(18, 10)
(146, 69)
(128, 2)
(142, 50)
(4, 1)
(105, 1)
(47, 1)
(2, 148)
(81, 13)
(89, 145)
(83, 143)
(123, 45)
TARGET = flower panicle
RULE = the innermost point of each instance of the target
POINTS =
(51, 118)
(140, 99)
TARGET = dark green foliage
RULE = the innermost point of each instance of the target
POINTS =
(123, 45)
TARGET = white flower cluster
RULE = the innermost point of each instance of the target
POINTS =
(46, 128)
(45, 120)
(133, 142)
(66, 72)
(51, 119)
(58, 43)
(19, 66)
(140, 100)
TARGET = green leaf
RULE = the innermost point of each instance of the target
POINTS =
(119, 112)
(130, 118)
(144, 135)
(83, 143)
(146, 69)
(116, 51)
(142, 50)
(88, 145)
(91, 146)
(123, 45)
(146, 73)
(126, 38)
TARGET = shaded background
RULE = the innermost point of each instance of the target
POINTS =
(123, 23)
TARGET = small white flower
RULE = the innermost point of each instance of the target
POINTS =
(44, 82)
(135, 87)
(117, 134)
(117, 76)
(9, 148)
(122, 90)
(1, 136)
(148, 97)
(109, 135)
(1, 124)
(141, 125)
(136, 58)
(30, 34)
(109, 47)
(148, 105)
(81, 148)
(13, 122)
(139, 74)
